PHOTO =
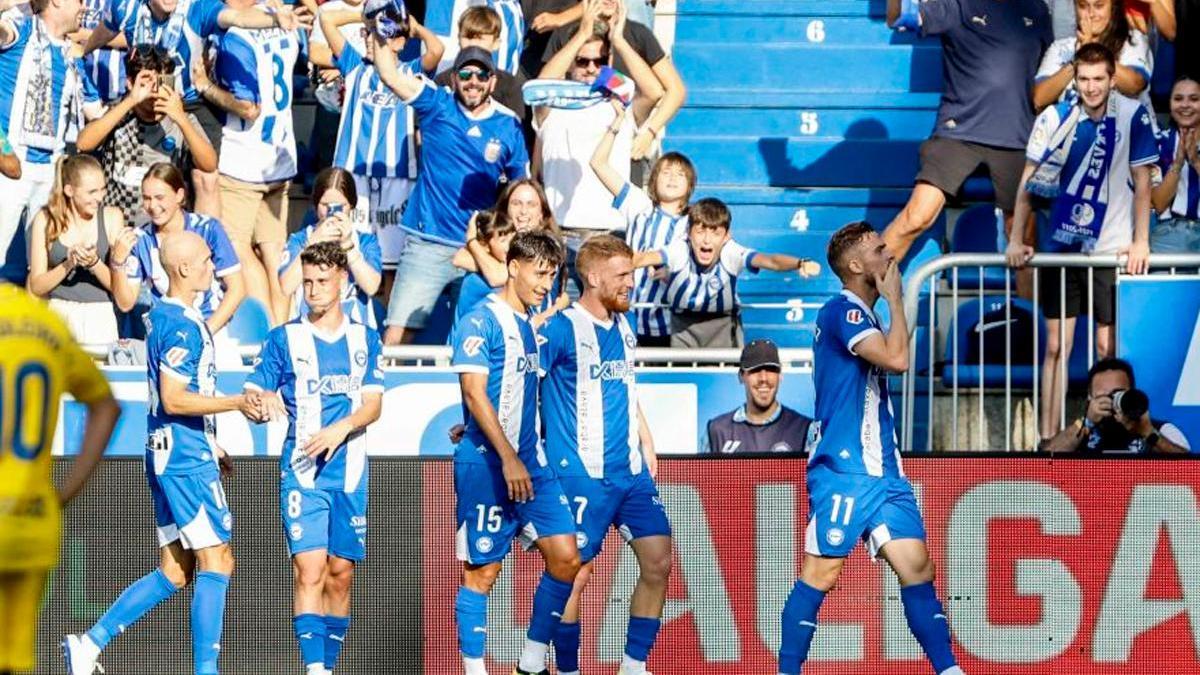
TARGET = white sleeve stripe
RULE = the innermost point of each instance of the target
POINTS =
(250, 386)
(372, 388)
(175, 374)
(860, 336)
(468, 368)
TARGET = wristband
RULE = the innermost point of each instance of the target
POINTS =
(613, 131)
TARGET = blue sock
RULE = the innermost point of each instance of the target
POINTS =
(310, 633)
(134, 602)
(799, 626)
(549, 601)
(470, 612)
(335, 636)
(208, 618)
(639, 637)
(566, 647)
(927, 621)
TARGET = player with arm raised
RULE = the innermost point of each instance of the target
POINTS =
(192, 517)
(594, 428)
(503, 485)
(327, 372)
(39, 362)
(856, 484)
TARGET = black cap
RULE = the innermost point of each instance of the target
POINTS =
(760, 354)
(476, 55)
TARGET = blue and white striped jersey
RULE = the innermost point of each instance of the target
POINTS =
(145, 267)
(355, 302)
(442, 18)
(589, 396)
(178, 345)
(36, 82)
(104, 67)
(256, 66)
(183, 33)
(711, 290)
(855, 426)
(321, 379)
(648, 228)
(496, 340)
(377, 132)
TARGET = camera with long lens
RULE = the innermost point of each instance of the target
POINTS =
(388, 18)
(1130, 403)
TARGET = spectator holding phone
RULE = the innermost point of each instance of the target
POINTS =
(334, 198)
(1177, 197)
(68, 250)
(148, 126)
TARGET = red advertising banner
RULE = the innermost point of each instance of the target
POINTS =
(1074, 567)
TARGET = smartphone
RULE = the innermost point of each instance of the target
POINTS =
(166, 80)
(336, 208)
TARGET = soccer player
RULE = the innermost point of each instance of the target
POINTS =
(326, 370)
(183, 468)
(593, 430)
(254, 89)
(856, 485)
(37, 351)
(503, 485)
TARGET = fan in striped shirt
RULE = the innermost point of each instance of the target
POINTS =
(702, 274)
(654, 220)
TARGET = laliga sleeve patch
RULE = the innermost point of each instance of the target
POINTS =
(175, 356)
(854, 316)
(472, 345)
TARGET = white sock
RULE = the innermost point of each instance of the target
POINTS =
(568, 672)
(474, 667)
(632, 666)
(85, 641)
(953, 670)
(315, 669)
(533, 656)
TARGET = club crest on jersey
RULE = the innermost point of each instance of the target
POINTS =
(175, 356)
(491, 152)
(296, 532)
(471, 345)
(714, 284)
(630, 341)
(854, 316)
(835, 536)
(484, 544)
(227, 520)
(581, 539)
(360, 358)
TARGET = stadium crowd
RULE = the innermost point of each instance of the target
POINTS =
(132, 119)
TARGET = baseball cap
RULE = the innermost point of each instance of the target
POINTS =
(476, 55)
(759, 354)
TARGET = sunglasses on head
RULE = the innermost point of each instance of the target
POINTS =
(584, 62)
(465, 74)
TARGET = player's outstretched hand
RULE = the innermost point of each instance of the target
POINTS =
(251, 406)
(327, 441)
(271, 407)
(889, 284)
(520, 485)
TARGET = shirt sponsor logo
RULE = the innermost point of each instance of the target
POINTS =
(612, 370)
(334, 384)
(527, 363)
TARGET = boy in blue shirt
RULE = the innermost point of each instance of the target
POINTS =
(702, 272)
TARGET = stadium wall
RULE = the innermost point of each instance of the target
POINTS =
(1063, 566)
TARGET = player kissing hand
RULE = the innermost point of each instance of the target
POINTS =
(520, 485)
(327, 440)
(889, 284)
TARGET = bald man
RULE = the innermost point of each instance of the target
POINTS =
(183, 467)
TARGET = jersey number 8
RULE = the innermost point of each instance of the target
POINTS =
(280, 91)
(26, 432)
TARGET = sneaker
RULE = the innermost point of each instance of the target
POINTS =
(81, 653)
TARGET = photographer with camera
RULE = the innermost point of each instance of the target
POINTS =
(1117, 418)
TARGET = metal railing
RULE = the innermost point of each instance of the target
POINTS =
(927, 281)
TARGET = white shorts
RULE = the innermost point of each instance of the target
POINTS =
(91, 323)
(381, 204)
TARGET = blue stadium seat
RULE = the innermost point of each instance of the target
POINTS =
(980, 229)
(989, 318)
(250, 323)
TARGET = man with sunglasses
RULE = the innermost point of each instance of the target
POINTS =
(566, 137)
(469, 143)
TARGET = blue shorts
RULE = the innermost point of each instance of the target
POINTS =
(631, 504)
(332, 520)
(488, 520)
(423, 271)
(843, 508)
(190, 508)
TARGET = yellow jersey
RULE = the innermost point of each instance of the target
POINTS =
(39, 362)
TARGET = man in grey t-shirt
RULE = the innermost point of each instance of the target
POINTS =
(990, 52)
(762, 424)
